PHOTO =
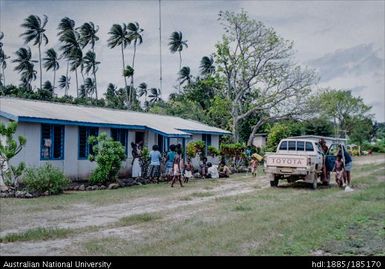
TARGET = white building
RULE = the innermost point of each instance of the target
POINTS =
(58, 133)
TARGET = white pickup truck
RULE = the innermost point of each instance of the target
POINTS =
(295, 159)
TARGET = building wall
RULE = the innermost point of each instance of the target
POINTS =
(71, 165)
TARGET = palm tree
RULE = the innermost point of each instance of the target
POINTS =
(142, 89)
(90, 63)
(185, 75)
(64, 83)
(51, 61)
(72, 52)
(155, 95)
(207, 66)
(134, 35)
(25, 66)
(35, 31)
(3, 58)
(176, 44)
(88, 36)
(89, 86)
(46, 92)
(119, 38)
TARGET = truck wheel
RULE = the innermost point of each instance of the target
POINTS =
(274, 182)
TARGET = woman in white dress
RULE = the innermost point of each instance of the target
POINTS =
(136, 169)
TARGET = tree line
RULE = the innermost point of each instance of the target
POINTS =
(250, 84)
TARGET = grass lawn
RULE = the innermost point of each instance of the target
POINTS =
(200, 220)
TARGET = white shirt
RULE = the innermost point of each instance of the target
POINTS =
(213, 171)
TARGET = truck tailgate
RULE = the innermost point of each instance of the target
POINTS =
(280, 160)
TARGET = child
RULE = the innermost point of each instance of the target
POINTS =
(177, 168)
(212, 171)
(340, 170)
(188, 171)
(154, 169)
(254, 166)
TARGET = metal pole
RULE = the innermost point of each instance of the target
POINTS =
(160, 46)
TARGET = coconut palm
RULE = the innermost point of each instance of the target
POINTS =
(46, 92)
(134, 35)
(119, 38)
(64, 83)
(25, 66)
(185, 75)
(89, 86)
(35, 31)
(90, 63)
(176, 44)
(142, 89)
(207, 66)
(155, 95)
(72, 51)
(51, 61)
(88, 35)
(3, 58)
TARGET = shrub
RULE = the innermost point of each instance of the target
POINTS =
(232, 150)
(45, 178)
(213, 151)
(108, 155)
(193, 148)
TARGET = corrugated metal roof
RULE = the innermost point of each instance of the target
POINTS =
(30, 110)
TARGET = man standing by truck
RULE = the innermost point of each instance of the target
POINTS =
(348, 163)
(325, 177)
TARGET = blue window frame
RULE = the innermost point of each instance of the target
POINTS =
(85, 148)
(120, 135)
(207, 139)
(52, 142)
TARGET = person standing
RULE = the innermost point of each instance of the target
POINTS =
(154, 169)
(169, 162)
(348, 164)
(177, 168)
(136, 169)
(325, 177)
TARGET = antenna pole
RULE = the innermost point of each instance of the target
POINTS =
(160, 46)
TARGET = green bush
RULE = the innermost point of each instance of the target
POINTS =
(108, 155)
(193, 148)
(45, 178)
(233, 150)
(213, 151)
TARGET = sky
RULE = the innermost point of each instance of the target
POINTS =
(343, 40)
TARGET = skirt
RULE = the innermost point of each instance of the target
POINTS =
(136, 169)
(153, 171)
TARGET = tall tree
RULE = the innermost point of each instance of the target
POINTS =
(177, 44)
(89, 85)
(340, 106)
(207, 66)
(35, 31)
(51, 61)
(90, 63)
(185, 75)
(88, 36)
(135, 36)
(155, 95)
(3, 59)
(64, 83)
(261, 78)
(25, 66)
(119, 38)
(142, 90)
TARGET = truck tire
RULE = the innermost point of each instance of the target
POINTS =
(274, 182)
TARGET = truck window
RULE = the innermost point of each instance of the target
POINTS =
(291, 145)
(309, 146)
(283, 146)
(300, 145)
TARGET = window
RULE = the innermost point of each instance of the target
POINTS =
(300, 145)
(291, 145)
(121, 136)
(85, 148)
(283, 146)
(160, 143)
(52, 142)
(309, 146)
(207, 139)
(139, 138)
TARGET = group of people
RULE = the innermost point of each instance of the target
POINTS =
(342, 166)
(175, 168)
